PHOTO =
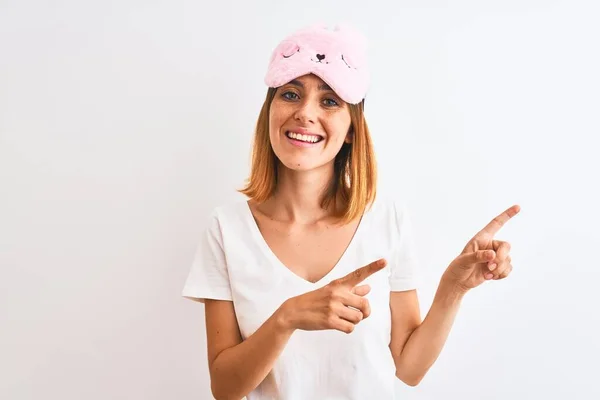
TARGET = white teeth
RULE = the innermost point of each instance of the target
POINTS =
(303, 138)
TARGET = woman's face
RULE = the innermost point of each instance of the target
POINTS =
(308, 123)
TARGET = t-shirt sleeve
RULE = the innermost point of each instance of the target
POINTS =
(208, 277)
(404, 264)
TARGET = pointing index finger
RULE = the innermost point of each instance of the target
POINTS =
(494, 226)
(360, 274)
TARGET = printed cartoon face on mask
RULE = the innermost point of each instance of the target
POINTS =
(337, 56)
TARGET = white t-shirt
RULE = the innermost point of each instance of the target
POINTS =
(233, 262)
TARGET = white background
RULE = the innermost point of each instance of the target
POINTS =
(123, 123)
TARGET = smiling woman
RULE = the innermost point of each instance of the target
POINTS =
(287, 123)
(310, 284)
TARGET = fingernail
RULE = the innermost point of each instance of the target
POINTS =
(492, 266)
(489, 276)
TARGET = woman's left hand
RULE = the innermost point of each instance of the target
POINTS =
(483, 258)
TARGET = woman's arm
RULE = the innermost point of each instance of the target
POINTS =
(416, 345)
(237, 367)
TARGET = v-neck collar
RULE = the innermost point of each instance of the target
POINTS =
(268, 252)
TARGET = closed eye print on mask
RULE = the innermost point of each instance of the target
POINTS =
(347, 61)
(289, 49)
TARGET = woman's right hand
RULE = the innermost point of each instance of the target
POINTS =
(330, 306)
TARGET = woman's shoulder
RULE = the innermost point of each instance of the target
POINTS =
(390, 213)
(228, 213)
(228, 208)
(389, 205)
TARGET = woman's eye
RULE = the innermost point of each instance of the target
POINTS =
(294, 96)
(289, 95)
(332, 102)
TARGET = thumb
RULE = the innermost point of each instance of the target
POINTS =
(476, 257)
(361, 290)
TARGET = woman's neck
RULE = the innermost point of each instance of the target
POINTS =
(299, 195)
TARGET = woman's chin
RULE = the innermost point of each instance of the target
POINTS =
(298, 166)
(301, 165)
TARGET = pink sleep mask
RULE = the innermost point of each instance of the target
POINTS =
(337, 56)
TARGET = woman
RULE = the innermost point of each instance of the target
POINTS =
(310, 286)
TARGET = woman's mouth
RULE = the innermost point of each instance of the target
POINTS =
(303, 140)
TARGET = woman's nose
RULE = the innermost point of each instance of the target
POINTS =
(307, 112)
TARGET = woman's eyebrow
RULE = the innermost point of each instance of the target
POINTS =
(324, 86)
